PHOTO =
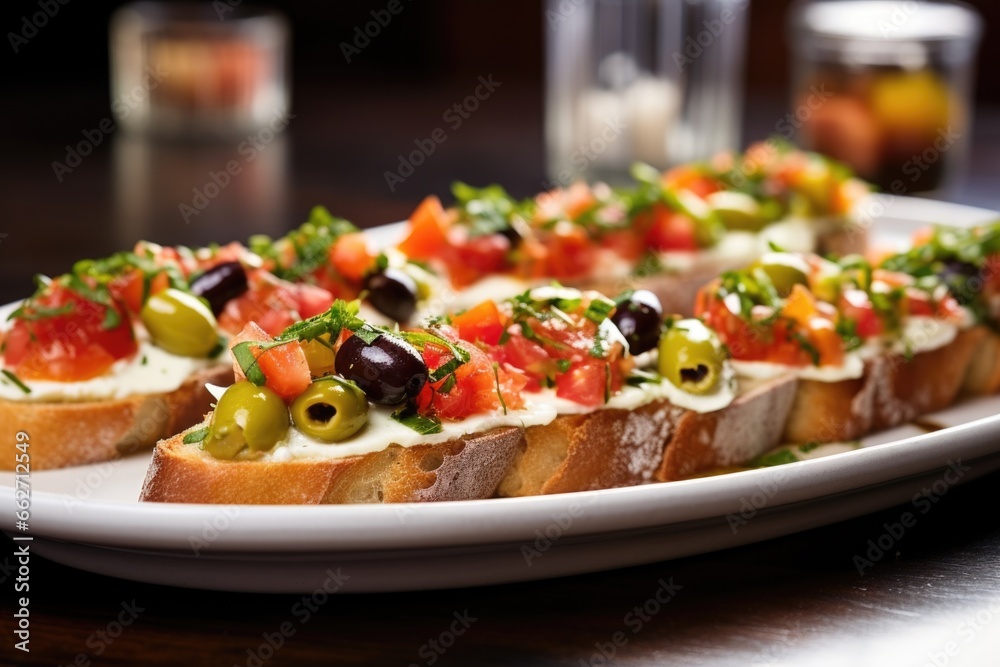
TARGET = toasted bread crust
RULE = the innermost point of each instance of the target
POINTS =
(598, 450)
(893, 390)
(983, 375)
(70, 434)
(929, 381)
(462, 469)
(833, 411)
(747, 428)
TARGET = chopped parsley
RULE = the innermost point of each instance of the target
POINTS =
(196, 436)
(408, 417)
(16, 380)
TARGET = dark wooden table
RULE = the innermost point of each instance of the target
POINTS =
(797, 600)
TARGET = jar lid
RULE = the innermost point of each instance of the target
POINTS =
(879, 32)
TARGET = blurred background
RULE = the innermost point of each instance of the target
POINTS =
(360, 105)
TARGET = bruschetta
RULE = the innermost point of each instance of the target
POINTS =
(536, 394)
(872, 348)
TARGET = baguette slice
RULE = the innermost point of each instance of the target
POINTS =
(677, 291)
(466, 468)
(597, 450)
(929, 381)
(983, 375)
(892, 391)
(71, 434)
(834, 411)
(658, 441)
(750, 426)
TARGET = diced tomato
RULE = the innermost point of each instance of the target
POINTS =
(274, 304)
(481, 323)
(312, 300)
(587, 383)
(531, 259)
(779, 341)
(475, 387)
(527, 355)
(919, 303)
(427, 235)
(352, 257)
(855, 306)
(625, 243)
(559, 352)
(571, 252)
(68, 347)
(285, 366)
(128, 288)
(668, 230)
(800, 305)
(470, 259)
(565, 203)
(577, 199)
(688, 178)
(823, 336)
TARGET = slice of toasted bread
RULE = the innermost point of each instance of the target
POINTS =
(893, 390)
(926, 382)
(597, 450)
(983, 375)
(747, 428)
(69, 434)
(834, 411)
(466, 468)
(659, 441)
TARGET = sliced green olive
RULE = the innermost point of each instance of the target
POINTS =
(691, 356)
(330, 410)
(247, 416)
(737, 210)
(180, 323)
(785, 271)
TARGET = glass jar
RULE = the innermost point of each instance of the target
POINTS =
(885, 87)
(656, 81)
(198, 69)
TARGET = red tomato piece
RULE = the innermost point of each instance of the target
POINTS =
(668, 230)
(352, 256)
(68, 347)
(285, 366)
(427, 234)
(481, 323)
(586, 384)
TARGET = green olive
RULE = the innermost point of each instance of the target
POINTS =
(180, 323)
(785, 271)
(246, 416)
(691, 356)
(320, 356)
(331, 409)
(737, 210)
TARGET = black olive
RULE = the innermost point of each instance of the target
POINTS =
(219, 284)
(639, 318)
(512, 235)
(393, 293)
(388, 370)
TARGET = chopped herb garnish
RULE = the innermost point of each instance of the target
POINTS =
(806, 345)
(496, 378)
(196, 436)
(640, 377)
(563, 365)
(16, 380)
(599, 309)
(248, 363)
(423, 425)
